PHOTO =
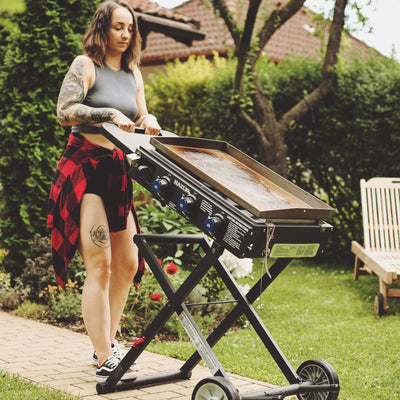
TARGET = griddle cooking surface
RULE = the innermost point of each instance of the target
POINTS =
(236, 177)
(241, 178)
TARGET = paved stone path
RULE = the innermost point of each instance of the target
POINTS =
(60, 358)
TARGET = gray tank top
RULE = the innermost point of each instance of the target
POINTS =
(115, 89)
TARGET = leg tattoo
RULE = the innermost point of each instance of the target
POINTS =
(100, 236)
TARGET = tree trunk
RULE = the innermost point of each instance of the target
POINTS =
(270, 140)
(270, 133)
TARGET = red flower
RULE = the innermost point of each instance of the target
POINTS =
(155, 297)
(171, 269)
(159, 261)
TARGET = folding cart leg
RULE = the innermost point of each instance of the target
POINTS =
(314, 379)
(175, 304)
(244, 307)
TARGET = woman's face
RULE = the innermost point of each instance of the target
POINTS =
(121, 30)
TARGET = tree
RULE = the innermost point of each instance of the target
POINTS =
(270, 133)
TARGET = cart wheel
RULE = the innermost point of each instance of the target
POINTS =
(319, 372)
(215, 388)
(379, 304)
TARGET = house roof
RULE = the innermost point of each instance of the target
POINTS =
(294, 35)
(177, 27)
(151, 8)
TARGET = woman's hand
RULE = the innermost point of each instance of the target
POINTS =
(149, 122)
(123, 122)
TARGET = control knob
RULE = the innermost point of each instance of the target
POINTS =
(160, 185)
(214, 223)
(186, 203)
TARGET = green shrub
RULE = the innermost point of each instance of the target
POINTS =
(38, 273)
(356, 135)
(65, 305)
(145, 304)
(31, 310)
(38, 50)
(5, 284)
(183, 85)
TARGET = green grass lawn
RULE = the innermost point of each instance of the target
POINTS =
(14, 388)
(317, 312)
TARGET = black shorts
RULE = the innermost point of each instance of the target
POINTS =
(104, 183)
(97, 183)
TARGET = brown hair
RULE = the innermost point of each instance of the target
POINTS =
(96, 37)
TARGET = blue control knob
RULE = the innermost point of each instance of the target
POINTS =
(212, 224)
(161, 184)
(186, 203)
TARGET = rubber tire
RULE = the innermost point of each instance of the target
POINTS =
(215, 388)
(318, 372)
(379, 304)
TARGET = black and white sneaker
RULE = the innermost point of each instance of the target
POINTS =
(118, 352)
(116, 349)
(104, 371)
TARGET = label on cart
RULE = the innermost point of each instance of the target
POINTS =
(294, 250)
(234, 235)
(206, 207)
(203, 348)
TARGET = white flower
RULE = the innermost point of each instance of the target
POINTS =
(239, 267)
(244, 289)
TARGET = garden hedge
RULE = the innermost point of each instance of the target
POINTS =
(37, 52)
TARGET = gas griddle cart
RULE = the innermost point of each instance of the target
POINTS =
(291, 226)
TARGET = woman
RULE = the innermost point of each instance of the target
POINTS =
(91, 204)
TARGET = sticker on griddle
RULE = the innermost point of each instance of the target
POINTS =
(294, 250)
(233, 236)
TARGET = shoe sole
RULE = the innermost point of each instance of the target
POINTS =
(134, 367)
(125, 377)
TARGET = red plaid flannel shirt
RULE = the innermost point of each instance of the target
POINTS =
(79, 161)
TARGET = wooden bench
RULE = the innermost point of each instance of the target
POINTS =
(380, 255)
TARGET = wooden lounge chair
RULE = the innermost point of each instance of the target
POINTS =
(380, 201)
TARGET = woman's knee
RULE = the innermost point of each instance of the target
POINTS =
(99, 271)
(125, 269)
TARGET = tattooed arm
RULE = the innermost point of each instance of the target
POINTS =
(71, 111)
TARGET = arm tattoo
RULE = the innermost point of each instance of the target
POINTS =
(100, 236)
(92, 115)
(72, 94)
(72, 89)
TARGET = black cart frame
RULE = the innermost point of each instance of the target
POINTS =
(312, 377)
